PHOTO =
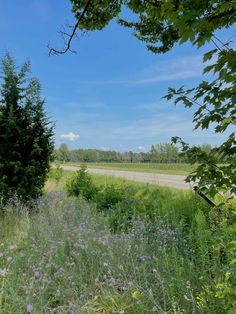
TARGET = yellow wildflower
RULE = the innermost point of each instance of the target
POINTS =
(136, 295)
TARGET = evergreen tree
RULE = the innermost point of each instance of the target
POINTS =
(26, 134)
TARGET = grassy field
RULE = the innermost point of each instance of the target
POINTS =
(179, 169)
(170, 253)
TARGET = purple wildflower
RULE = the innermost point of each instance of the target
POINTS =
(9, 259)
(29, 308)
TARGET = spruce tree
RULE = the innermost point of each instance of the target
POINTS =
(26, 134)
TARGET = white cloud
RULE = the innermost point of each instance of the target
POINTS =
(70, 136)
(141, 148)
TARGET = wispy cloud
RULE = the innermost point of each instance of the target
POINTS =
(70, 136)
(172, 70)
(180, 68)
(155, 106)
(94, 105)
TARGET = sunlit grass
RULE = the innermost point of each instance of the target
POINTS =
(68, 261)
(63, 257)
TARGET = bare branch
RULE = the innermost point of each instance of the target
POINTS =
(53, 51)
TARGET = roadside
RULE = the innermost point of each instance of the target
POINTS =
(165, 168)
(173, 181)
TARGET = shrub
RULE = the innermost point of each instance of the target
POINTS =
(56, 173)
(82, 185)
(108, 196)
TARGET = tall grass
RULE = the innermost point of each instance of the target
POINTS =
(64, 257)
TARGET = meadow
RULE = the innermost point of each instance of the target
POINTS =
(168, 168)
(93, 244)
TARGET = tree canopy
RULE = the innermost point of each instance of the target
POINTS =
(161, 24)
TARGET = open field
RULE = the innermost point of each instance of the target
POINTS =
(176, 169)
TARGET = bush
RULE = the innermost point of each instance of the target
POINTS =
(108, 196)
(82, 185)
(56, 173)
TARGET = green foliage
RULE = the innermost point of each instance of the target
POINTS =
(82, 185)
(62, 154)
(216, 106)
(164, 153)
(108, 196)
(70, 262)
(25, 134)
(161, 25)
(56, 173)
(122, 202)
(161, 153)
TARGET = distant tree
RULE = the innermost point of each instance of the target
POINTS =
(206, 148)
(161, 24)
(164, 153)
(63, 153)
(26, 134)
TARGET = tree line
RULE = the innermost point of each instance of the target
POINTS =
(159, 153)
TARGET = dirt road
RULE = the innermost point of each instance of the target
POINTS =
(173, 181)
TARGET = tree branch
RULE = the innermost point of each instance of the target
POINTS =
(153, 3)
(212, 17)
(53, 51)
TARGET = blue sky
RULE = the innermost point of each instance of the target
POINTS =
(108, 95)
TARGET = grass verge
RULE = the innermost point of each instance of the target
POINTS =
(178, 169)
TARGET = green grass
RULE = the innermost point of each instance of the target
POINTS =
(62, 257)
(178, 169)
(101, 180)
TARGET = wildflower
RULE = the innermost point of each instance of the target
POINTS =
(37, 274)
(136, 295)
(46, 280)
(3, 272)
(186, 298)
(12, 247)
(1, 254)
(9, 259)
(29, 308)
(71, 307)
